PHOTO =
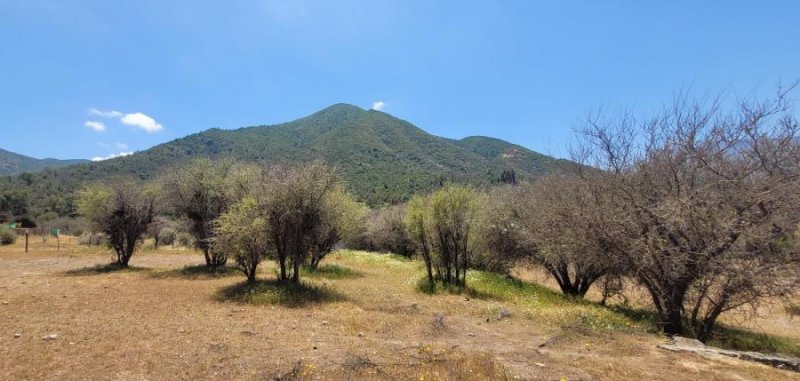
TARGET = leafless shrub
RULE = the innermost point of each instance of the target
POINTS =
(385, 232)
(122, 211)
(704, 204)
(556, 223)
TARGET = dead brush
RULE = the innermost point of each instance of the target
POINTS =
(355, 365)
(438, 325)
(793, 309)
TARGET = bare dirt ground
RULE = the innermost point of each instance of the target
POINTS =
(162, 320)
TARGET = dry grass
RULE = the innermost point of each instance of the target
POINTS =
(360, 316)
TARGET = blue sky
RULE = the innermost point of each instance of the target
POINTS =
(523, 71)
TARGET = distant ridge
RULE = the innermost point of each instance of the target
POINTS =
(13, 163)
(382, 159)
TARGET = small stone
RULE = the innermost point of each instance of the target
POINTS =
(471, 334)
(49, 337)
(17, 335)
(65, 295)
(71, 343)
(324, 322)
(503, 313)
(466, 298)
(361, 334)
(539, 364)
(5, 303)
(315, 347)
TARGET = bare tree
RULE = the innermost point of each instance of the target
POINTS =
(556, 223)
(705, 203)
(154, 230)
(386, 232)
(123, 211)
(294, 202)
(197, 191)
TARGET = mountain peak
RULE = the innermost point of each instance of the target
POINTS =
(382, 159)
(341, 107)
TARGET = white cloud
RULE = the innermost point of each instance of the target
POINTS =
(113, 155)
(97, 126)
(378, 106)
(105, 114)
(142, 121)
(121, 145)
(137, 119)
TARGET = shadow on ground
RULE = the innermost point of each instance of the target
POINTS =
(274, 292)
(106, 269)
(197, 272)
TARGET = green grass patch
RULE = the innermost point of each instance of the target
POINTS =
(539, 302)
(508, 288)
(274, 292)
(106, 269)
(330, 271)
(438, 287)
(380, 259)
(743, 340)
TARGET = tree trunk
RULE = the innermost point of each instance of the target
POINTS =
(672, 322)
(282, 261)
(207, 256)
(296, 271)
(251, 275)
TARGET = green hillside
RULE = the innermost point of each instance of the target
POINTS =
(383, 159)
(13, 163)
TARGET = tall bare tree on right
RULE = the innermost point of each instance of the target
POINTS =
(707, 198)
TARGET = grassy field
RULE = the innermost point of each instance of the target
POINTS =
(361, 315)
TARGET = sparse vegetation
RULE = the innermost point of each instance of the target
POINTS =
(353, 300)
(7, 236)
(697, 207)
(122, 211)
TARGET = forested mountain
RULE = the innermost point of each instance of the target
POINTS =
(13, 163)
(382, 159)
